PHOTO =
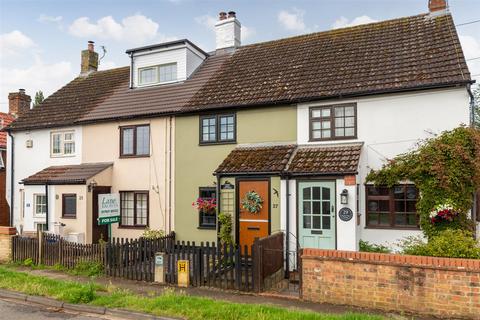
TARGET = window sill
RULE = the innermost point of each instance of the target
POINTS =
(216, 143)
(207, 228)
(333, 139)
(135, 156)
(62, 155)
(393, 228)
(132, 227)
(69, 217)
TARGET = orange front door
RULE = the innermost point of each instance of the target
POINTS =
(253, 225)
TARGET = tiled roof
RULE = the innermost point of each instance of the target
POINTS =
(73, 101)
(396, 55)
(71, 174)
(292, 159)
(5, 120)
(155, 100)
(256, 159)
(333, 159)
(401, 54)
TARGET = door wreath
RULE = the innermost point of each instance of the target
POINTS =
(252, 202)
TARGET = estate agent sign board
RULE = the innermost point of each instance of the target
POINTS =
(108, 208)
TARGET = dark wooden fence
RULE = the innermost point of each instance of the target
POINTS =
(134, 259)
(269, 258)
(226, 267)
(50, 250)
(58, 251)
(24, 248)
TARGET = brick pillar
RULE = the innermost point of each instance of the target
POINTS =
(6, 235)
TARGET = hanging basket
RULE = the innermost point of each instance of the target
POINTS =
(252, 202)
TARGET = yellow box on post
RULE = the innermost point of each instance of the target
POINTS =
(183, 273)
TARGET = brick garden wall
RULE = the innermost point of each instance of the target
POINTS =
(425, 285)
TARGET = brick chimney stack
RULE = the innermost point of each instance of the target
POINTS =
(437, 5)
(18, 103)
(89, 59)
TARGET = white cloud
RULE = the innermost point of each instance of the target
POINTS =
(134, 29)
(38, 76)
(209, 22)
(343, 22)
(471, 49)
(292, 20)
(14, 43)
(46, 18)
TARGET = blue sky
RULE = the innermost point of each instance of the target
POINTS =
(40, 41)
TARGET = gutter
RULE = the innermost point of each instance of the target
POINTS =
(12, 171)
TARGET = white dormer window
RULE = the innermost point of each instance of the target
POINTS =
(62, 143)
(158, 74)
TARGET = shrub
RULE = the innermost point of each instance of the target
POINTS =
(443, 168)
(28, 262)
(366, 246)
(451, 243)
(88, 268)
(153, 234)
(226, 227)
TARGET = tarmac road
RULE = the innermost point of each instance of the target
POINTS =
(13, 310)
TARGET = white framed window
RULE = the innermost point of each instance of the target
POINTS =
(39, 204)
(157, 74)
(2, 163)
(62, 143)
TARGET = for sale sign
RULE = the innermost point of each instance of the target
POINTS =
(108, 208)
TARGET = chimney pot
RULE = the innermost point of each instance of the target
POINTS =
(18, 102)
(91, 46)
(437, 5)
(231, 14)
(222, 15)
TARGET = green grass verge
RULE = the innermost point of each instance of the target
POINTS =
(167, 304)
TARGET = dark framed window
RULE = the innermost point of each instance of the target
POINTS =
(134, 209)
(69, 205)
(135, 141)
(218, 128)
(333, 122)
(207, 220)
(392, 207)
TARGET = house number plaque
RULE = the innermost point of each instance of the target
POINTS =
(345, 214)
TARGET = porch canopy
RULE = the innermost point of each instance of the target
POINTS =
(69, 174)
(292, 159)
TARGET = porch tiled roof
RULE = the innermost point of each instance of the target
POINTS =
(72, 174)
(292, 159)
(256, 159)
(325, 159)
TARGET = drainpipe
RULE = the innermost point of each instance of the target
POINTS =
(169, 173)
(287, 234)
(218, 207)
(472, 106)
(131, 70)
(12, 171)
(46, 205)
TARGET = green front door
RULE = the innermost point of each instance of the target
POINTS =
(316, 212)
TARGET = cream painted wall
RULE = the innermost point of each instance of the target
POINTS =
(80, 223)
(140, 174)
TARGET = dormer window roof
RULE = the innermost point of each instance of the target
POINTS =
(164, 63)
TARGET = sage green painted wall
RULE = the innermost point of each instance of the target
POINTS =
(194, 164)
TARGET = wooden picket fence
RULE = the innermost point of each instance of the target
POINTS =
(225, 267)
(134, 259)
(51, 250)
(24, 248)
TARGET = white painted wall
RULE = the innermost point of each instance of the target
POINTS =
(188, 59)
(389, 125)
(346, 230)
(228, 33)
(31, 160)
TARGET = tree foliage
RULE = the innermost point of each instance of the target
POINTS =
(38, 98)
(476, 110)
(444, 169)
